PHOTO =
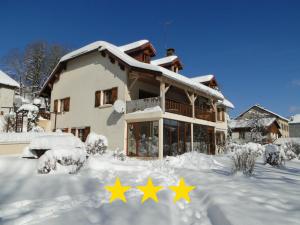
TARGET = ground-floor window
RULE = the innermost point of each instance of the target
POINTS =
(177, 137)
(143, 139)
(204, 139)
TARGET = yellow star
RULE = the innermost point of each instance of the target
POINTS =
(149, 191)
(182, 191)
(117, 191)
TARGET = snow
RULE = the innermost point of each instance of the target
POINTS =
(7, 80)
(246, 123)
(133, 45)
(203, 79)
(147, 110)
(226, 103)
(29, 108)
(164, 60)
(269, 197)
(102, 45)
(64, 141)
(295, 119)
(92, 138)
(24, 137)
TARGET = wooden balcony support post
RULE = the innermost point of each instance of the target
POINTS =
(163, 95)
(161, 138)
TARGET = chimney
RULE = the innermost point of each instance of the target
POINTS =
(170, 51)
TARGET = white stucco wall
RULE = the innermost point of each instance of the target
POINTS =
(84, 76)
(6, 98)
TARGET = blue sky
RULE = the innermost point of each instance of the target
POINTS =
(253, 47)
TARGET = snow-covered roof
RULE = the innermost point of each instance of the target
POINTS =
(269, 111)
(247, 123)
(103, 45)
(7, 80)
(133, 45)
(225, 102)
(203, 79)
(28, 107)
(164, 60)
(295, 119)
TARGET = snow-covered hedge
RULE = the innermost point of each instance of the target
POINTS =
(274, 155)
(96, 144)
(244, 156)
(62, 161)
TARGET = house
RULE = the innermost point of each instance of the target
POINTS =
(143, 106)
(264, 130)
(8, 87)
(261, 120)
(261, 112)
(294, 126)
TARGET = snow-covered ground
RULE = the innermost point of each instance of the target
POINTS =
(270, 196)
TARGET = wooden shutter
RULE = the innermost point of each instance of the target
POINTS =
(97, 98)
(73, 131)
(55, 106)
(86, 133)
(114, 94)
(66, 103)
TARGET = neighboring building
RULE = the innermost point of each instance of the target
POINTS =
(258, 120)
(263, 130)
(261, 112)
(294, 126)
(8, 87)
(143, 106)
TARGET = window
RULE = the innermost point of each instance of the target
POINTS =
(83, 133)
(106, 97)
(142, 139)
(62, 105)
(242, 134)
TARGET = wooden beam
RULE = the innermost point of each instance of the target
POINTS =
(167, 88)
(133, 83)
(163, 96)
(189, 97)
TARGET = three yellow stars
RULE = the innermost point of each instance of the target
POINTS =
(118, 191)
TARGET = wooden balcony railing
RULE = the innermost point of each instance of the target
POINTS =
(178, 108)
(205, 115)
(45, 115)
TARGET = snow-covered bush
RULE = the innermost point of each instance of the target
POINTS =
(37, 129)
(289, 151)
(256, 148)
(96, 144)
(62, 160)
(31, 111)
(118, 154)
(244, 159)
(273, 155)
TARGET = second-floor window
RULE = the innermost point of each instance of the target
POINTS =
(106, 97)
(62, 105)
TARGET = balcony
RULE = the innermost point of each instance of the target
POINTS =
(205, 115)
(172, 106)
(179, 108)
(142, 104)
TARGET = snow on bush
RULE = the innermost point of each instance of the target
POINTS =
(96, 144)
(63, 140)
(118, 154)
(244, 157)
(61, 160)
(273, 155)
(28, 153)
